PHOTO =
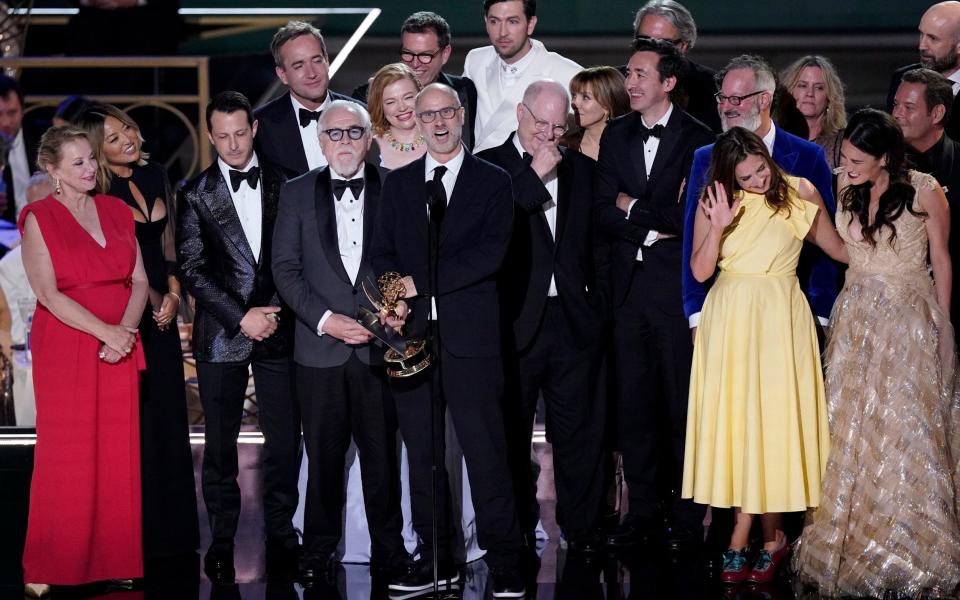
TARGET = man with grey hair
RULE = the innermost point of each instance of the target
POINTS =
(939, 48)
(288, 123)
(747, 84)
(454, 210)
(320, 260)
(553, 307)
(671, 21)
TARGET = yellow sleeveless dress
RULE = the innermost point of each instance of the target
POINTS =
(757, 433)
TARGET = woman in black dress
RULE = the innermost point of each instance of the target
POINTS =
(170, 524)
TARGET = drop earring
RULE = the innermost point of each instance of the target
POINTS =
(56, 187)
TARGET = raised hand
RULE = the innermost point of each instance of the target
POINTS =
(717, 206)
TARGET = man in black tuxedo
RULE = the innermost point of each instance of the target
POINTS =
(552, 291)
(320, 260)
(922, 106)
(671, 21)
(644, 161)
(20, 146)
(288, 123)
(425, 47)
(939, 51)
(470, 211)
(224, 238)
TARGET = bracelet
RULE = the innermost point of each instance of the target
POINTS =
(175, 296)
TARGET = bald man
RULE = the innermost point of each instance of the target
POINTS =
(940, 51)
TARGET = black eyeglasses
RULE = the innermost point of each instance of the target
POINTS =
(354, 133)
(675, 42)
(447, 112)
(425, 58)
(541, 125)
(734, 100)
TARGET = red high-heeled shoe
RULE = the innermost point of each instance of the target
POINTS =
(766, 564)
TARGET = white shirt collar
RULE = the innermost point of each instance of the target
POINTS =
(453, 165)
(770, 138)
(662, 121)
(517, 144)
(297, 105)
(518, 67)
(225, 168)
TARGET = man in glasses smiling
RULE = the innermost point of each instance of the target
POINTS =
(470, 208)
(425, 47)
(324, 229)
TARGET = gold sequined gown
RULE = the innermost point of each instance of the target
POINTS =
(888, 514)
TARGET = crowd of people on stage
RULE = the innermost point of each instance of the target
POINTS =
(721, 277)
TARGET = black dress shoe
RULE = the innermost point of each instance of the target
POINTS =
(218, 563)
(507, 583)
(316, 568)
(632, 532)
(586, 546)
(420, 578)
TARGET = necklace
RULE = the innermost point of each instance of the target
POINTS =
(404, 146)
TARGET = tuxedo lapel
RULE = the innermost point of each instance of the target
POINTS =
(288, 134)
(327, 223)
(564, 184)
(784, 153)
(637, 159)
(220, 204)
(371, 195)
(270, 183)
(463, 192)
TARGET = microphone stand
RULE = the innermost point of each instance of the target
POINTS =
(437, 426)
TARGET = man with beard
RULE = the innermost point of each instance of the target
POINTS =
(425, 47)
(320, 259)
(470, 208)
(503, 70)
(939, 51)
(921, 107)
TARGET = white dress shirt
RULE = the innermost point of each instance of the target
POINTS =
(20, 170)
(308, 134)
(449, 180)
(650, 148)
(247, 202)
(349, 213)
(549, 208)
(955, 81)
(17, 290)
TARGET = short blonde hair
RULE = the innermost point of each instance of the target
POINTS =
(387, 74)
(50, 151)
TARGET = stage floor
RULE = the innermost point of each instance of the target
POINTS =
(554, 575)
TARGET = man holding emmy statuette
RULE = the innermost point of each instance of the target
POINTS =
(465, 207)
(320, 262)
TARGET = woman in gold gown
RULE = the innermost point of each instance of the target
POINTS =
(757, 422)
(888, 515)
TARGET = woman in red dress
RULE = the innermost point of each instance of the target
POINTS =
(83, 263)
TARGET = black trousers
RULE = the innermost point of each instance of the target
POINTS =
(653, 354)
(335, 402)
(472, 391)
(222, 389)
(575, 419)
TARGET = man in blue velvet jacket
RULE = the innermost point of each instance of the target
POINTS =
(746, 92)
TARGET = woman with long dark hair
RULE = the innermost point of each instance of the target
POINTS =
(757, 420)
(888, 518)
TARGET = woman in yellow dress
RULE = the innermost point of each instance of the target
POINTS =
(757, 435)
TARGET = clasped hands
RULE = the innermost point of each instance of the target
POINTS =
(118, 341)
(260, 322)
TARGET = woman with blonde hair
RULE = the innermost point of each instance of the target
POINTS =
(815, 85)
(391, 99)
(599, 96)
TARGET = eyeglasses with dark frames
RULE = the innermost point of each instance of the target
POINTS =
(675, 42)
(541, 125)
(354, 133)
(734, 100)
(446, 112)
(424, 58)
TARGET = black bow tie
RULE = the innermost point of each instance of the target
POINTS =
(238, 177)
(355, 185)
(308, 115)
(655, 131)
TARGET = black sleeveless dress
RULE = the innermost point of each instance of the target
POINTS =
(170, 525)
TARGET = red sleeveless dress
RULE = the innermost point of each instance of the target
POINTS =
(84, 522)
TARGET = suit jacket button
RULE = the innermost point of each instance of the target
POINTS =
(354, 291)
